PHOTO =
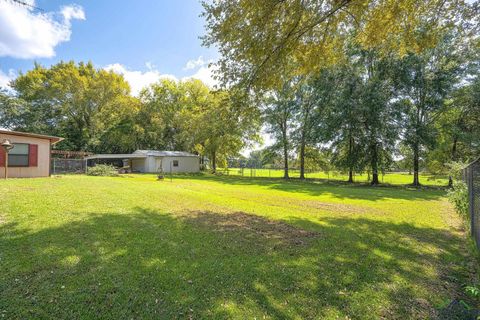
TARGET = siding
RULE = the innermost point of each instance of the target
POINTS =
(185, 164)
(43, 165)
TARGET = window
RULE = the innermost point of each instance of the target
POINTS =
(18, 156)
(175, 163)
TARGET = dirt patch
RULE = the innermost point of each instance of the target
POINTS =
(251, 227)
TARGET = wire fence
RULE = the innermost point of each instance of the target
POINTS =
(397, 178)
(471, 176)
(64, 166)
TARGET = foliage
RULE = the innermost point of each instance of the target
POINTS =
(91, 108)
(424, 81)
(190, 116)
(103, 170)
(278, 111)
(458, 196)
(302, 37)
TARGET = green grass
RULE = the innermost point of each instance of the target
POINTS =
(399, 178)
(78, 247)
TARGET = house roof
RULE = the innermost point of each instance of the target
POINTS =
(142, 154)
(162, 153)
(52, 139)
(116, 156)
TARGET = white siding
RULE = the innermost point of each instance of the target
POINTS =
(185, 164)
(151, 164)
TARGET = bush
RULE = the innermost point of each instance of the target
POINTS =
(104, 170)
(458, 196)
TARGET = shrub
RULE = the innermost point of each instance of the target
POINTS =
(104, 170)
(458, 196)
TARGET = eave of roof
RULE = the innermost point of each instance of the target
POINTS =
(164, 153)
(116, 156)
(53, 139)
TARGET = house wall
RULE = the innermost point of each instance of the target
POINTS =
(151, 164)
(185, 164)
(43, 163)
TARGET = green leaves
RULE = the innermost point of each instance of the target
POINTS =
(87, 106)
(264, 42)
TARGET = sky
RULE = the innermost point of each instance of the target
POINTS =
(144, 40)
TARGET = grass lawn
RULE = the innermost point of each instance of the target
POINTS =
(131, 247)
(394, 178)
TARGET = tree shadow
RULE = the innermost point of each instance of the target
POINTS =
(203, 264)
(341, 190)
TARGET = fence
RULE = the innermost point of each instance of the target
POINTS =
(62, 166)
(471, 175)
(396, 178)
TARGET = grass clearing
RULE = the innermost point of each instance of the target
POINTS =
(225, 247)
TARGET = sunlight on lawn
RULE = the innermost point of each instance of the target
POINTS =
(223, 247)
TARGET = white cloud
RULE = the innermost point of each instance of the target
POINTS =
(141, 79)
(26, 33)
(193, 64)
(72, 12)
(138, 79)
(5, 78)
(205, 74)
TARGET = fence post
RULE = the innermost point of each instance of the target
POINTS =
(471, 199)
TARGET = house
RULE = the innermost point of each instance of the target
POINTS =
(150, 161)
(30, 155)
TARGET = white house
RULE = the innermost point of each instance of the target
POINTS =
(150, 161)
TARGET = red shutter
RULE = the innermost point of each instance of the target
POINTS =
(33, 155)
(2, 157)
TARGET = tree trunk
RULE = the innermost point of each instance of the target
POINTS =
(374, 164)
(416, 181)
(350, 150)
(302, 159)
(214, 161)
(454, 157)
(285, 154)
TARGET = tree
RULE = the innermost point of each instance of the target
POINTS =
(278, 111)
(378, 114)
(84, 105)
(312, 97)
(224, 127)
(458, 131)
(424, 81)
(159, 119)
(341, 126)
(298, 37)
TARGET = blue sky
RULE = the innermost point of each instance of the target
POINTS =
(142, 39)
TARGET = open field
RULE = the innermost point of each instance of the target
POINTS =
(397, 178)
(76, 247)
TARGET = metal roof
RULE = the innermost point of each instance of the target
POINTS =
(162, 153)
(142, 154)
(116, 156)
(52, 139)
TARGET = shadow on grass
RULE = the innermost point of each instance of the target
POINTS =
(318, 187)
(207, 265)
